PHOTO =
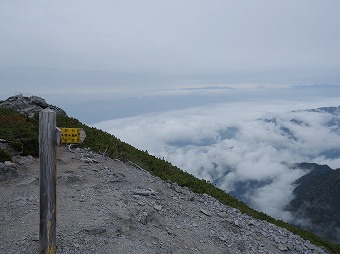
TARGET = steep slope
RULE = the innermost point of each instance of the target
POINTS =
(317, 200)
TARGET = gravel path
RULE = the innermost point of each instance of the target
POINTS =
(106, 206)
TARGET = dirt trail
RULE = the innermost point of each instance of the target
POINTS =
(106, 206)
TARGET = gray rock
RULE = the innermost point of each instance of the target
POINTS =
(277, 240)
(282, 247)
(29, 105)
(223, 238)
(144, 192)
(38, 101)
(8, 170)
(158, 207)
(237, 223)
(222, 215)
(95, 231)
(9, 163)
(206, 212)
(21, 160)
(251, 222)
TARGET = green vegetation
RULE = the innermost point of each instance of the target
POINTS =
(5, 155)
(20, 132)
(100, 141)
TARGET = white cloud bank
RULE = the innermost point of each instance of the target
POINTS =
(244, 148)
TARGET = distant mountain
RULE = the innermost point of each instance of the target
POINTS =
(316, 86)
(330, 110)
(317, 201)
(206, 88)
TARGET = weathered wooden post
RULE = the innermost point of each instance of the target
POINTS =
(48, 168)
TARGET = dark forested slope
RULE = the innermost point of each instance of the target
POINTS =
(316, 201)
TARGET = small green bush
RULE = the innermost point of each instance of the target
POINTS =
(20, 131)
(30, 146)
(5, 155)
(16, 144)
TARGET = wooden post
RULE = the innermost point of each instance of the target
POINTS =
(48, 168)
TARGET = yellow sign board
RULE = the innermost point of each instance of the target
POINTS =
(72, 135)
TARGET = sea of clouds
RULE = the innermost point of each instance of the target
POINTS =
(246, 146)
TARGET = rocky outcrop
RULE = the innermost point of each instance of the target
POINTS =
(29, 105)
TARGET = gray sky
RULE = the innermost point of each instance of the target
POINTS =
(110, 45)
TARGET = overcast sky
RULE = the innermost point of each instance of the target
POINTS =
(110, 45)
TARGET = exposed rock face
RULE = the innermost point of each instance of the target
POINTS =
(29, 105)
(107, 206)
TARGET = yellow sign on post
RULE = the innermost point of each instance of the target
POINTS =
(72, 135)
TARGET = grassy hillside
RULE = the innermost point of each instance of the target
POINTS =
(22, 134)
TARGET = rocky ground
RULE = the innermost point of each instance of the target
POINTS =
(106, 206)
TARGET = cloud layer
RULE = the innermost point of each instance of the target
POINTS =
(245, 148)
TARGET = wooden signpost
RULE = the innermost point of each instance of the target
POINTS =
(49, 137)
(48, 168)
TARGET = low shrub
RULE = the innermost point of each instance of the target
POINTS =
(5, 155)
